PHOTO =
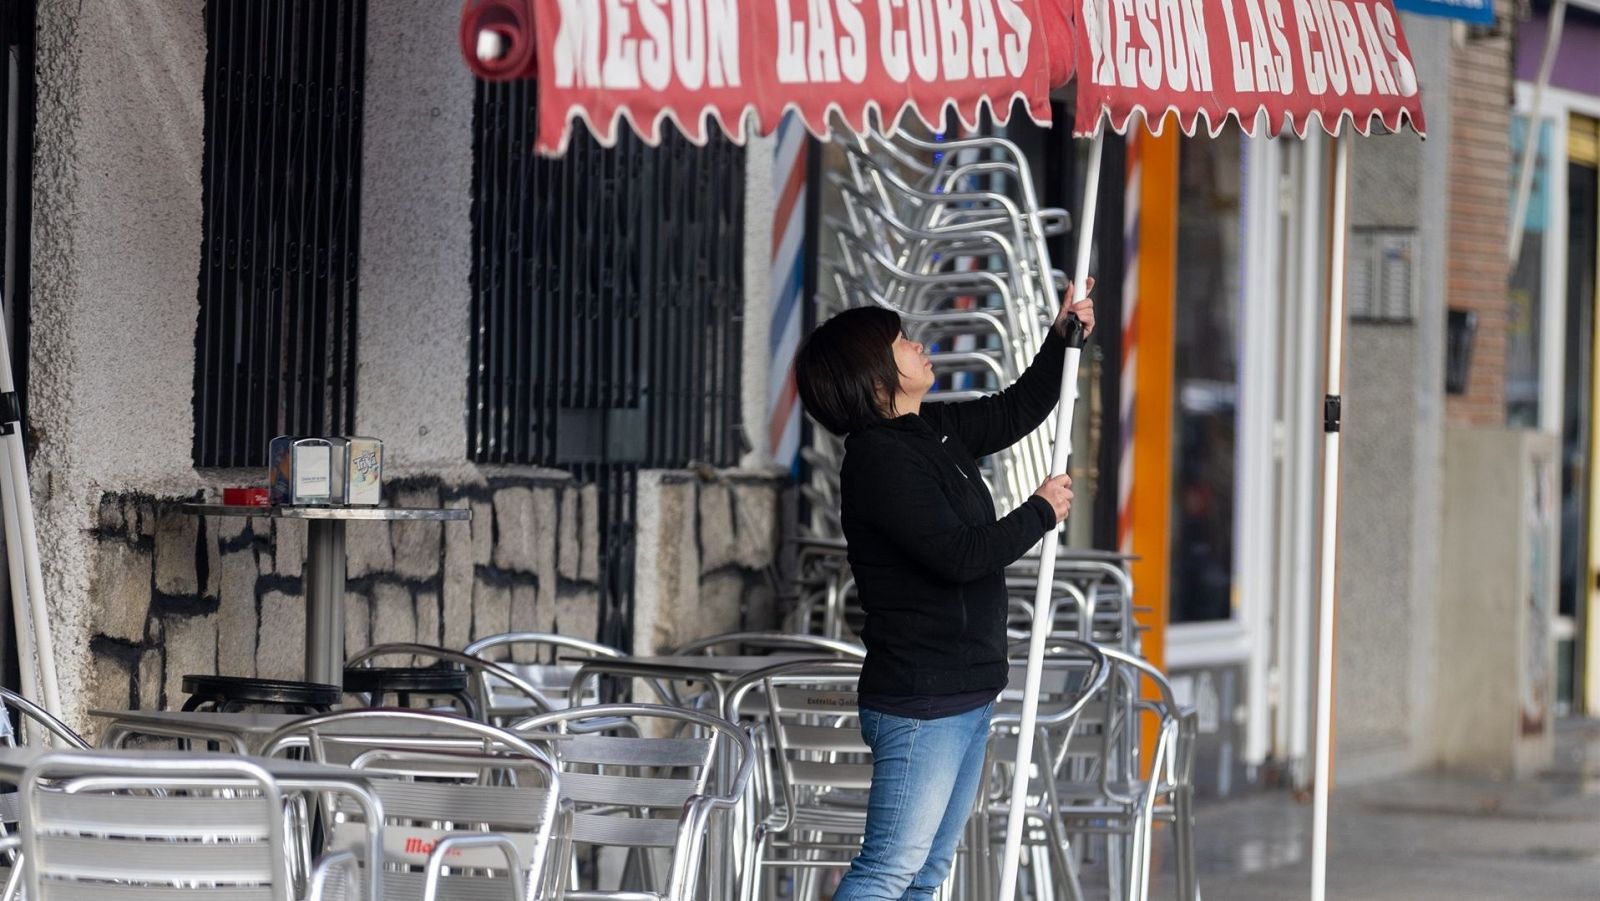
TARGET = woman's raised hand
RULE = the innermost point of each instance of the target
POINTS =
(1083, 309)
(1057, 491)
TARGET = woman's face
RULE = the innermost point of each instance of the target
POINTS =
(916, 371)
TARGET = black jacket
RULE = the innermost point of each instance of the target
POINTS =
(926, 550)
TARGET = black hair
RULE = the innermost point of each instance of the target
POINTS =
(845, 369)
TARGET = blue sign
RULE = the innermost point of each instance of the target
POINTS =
(1478, 12)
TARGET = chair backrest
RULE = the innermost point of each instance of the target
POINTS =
(533, 656)
(429, 797)
(35, 727)
(757, 643)
(505, 681)
(751, 704)
(341, 737)
(97, 826)
(1137, 679)
(813, 725)
(638, 791)
(38, 726)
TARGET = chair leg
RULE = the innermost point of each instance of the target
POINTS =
(1115, 874)
(1063, 855)
(1183, 838)
(750, 876)
(1044, 884)
(1139, 859)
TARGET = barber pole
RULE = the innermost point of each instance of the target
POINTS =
(1128, 377)
(788, 291)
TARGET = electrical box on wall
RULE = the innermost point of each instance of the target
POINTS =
(1384, 278)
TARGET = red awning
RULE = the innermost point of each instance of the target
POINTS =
(691, 61)
(1299, 61)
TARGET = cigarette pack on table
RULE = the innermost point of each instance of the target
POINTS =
(358, 471)
(246, 497)
(300, 471)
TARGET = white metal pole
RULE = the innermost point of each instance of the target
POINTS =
(1303, 421)
(25, 544)
(1330, 521)
(1059, 458)
(1530, 135)
(19, 589)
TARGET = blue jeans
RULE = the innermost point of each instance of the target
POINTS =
(925, 776)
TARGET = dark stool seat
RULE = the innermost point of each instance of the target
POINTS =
(227, 694)
(379, 682)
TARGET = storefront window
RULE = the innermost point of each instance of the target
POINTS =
(1207, 370)
(1523, 320)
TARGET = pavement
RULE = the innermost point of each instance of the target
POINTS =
(1425, 837)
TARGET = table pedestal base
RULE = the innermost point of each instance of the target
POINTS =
(324, 591)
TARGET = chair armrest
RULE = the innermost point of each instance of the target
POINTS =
(690, 845)
(514, 865)
(328, 864)
(11, 845)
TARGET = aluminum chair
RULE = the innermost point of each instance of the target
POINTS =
(758, 643)
(950, 235)
(339, 738)
(489, 797)
(808, 809)
(493, 819)
(35, 727)
(824, 585)
(647, 795)
(533, 656)
(1120, 796)
(753, 644)
(101, 826)
(1074, 674)
(489, 682)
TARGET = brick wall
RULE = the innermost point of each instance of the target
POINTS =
(1480, 189)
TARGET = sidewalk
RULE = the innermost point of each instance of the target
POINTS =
(1428, 837)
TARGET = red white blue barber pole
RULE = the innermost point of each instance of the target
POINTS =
(788, 288)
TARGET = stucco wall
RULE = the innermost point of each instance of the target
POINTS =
(416, 252)
(116, 267)
(761, 198)
(1393, 418)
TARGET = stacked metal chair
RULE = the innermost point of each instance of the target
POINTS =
(950, 236)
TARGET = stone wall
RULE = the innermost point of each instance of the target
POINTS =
(174, 594)
(707, 556)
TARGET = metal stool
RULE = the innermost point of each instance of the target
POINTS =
(404, 682)
(230, 694)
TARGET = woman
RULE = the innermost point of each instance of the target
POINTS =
(928, 557)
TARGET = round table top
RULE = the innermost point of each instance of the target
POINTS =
(440, 514)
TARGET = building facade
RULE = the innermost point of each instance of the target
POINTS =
(353, 237)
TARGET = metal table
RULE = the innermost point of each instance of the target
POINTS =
(243, 733)
(325, 568)
(715, 671)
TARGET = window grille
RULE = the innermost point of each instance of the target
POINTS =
(276, 341)
(607, 293)
(607, 289)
